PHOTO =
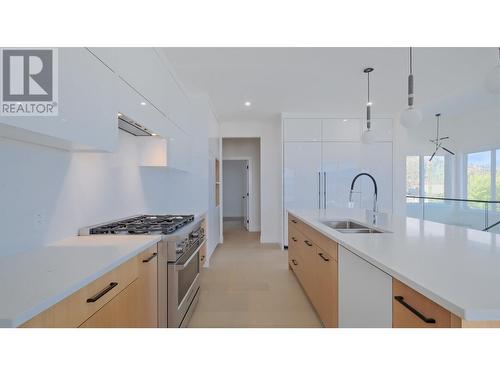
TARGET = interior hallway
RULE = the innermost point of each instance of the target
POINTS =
(248, 284)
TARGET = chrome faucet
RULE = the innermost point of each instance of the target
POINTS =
(374, 186)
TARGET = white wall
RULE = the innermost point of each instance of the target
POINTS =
(234, 188)
(247, 148)
(269, 133)
(47, 194)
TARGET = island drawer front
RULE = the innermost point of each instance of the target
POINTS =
(424, 310)
(72, 311)
(294, 243)
(326, 244)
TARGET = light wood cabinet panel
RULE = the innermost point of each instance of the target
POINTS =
(327, 286)
(147, 301)
(307, 253)
(74, 310)
(123, 311)
(411, 309)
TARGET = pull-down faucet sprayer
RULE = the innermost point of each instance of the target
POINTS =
(374, 187)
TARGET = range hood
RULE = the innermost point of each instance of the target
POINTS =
(130, 126)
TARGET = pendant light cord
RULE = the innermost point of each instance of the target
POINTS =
(411, 60)
(368, 88)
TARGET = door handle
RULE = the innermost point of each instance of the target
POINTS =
(294, 262)
(319, 190)
(308, 243)
(324, 190)
(150, 258)
(102, 292)
(401, 300)
(323, 257)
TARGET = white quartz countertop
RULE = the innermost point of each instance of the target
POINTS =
(32, 281)
(456, 267)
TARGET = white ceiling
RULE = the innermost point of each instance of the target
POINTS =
(330, 80)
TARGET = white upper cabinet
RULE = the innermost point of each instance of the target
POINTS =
(348, 130)
(382, 129)
(87, 108)
(146, 70)
(302, 130)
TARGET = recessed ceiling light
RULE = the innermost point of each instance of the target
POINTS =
(119, 114)
(248, 104)
(153, 134)
(345, 120)
(369, 104)
(143, 103)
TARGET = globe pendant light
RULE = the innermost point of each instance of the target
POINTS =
(368, 136)
(411, 116)
(493, 78)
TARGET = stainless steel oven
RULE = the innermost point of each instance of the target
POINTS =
(183, 287)
(179, 276)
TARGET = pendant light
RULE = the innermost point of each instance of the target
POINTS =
(368, 136)
(493, 78)
(411, 116)
(438, 141)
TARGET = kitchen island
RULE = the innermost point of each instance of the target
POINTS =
(449, 268)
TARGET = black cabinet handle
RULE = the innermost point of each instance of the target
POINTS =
(294, 221)
(150, 258)
(308, 243)
(102, 292)
(323, 257)
(294, 262)
(294, 239)
(401, 300)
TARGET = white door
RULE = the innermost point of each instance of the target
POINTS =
(246, 195)
(365, 293)
(302, 174)
(341, 163)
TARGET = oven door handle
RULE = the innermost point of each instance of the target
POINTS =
(180, 267)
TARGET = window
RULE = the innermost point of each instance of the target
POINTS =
(426, 178)
(413, 175)
(434, 176)
(498, 175)
(479, 177)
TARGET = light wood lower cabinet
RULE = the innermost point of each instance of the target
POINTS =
(123, 297)
(315, 268)
(411, 309)
(327, 296)
(148, 289)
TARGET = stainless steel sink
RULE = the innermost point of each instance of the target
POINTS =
(348, 226)
(359, 230)
(344, 224)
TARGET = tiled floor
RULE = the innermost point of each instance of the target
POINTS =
(249, 284)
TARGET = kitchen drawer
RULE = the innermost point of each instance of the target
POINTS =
(417, 309)
(295, 239)
(326, 244)
(293, 223)
(75, 309)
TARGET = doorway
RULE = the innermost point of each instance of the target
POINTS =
(236, 193)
